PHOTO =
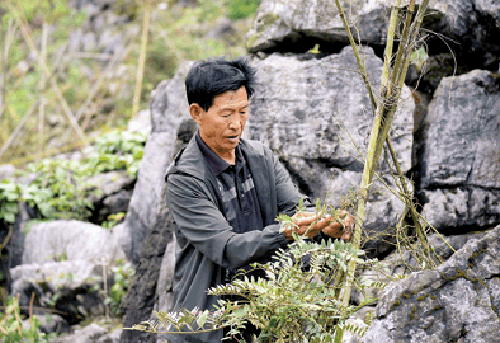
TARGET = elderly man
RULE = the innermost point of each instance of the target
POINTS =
(225, 192)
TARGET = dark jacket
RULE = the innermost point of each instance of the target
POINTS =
(206, 243)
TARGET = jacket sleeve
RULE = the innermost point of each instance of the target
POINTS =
(199, 220)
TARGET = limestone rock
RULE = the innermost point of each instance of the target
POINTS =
(460, 168)
(68, 286)
(454, 301)
(89, 334)
(296, 26)
(282, 25)
(71, 240)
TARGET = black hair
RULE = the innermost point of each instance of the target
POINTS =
(212, 77)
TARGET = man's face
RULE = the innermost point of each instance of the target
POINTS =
(222, 125)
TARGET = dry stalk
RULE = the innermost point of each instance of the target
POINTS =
(18, 129)
(142, 58)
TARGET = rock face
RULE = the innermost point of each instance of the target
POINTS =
(456, 302)
(461, 163)
(296, 26)
(312, 112)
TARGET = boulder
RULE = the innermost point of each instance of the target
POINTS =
(89, 334)
(72, 240)
(71, 287)
(459, 167)
(456, 302)
(310, 112)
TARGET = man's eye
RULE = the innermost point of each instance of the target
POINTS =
(226, 114)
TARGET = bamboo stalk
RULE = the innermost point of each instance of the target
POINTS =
(142, 59)
(381, 125)
(26, 31)
(41, 88)
(18, 129)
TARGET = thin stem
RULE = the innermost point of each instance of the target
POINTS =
(356, 53)
(142, 58)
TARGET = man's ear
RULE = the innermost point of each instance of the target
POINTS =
(196, 112)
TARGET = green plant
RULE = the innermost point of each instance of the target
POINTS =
(61, 189)
(296, 302)
(113, 220)
(123, 273)
(241, 9)
(10, 194)
(12, 329)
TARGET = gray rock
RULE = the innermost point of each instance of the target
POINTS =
(404, 262)
(53, 323)
(7, 171)
(460, 169)
(113, 337)
(224, 29)
(70, 240)
(89, 334)
(463, 132)
(66, 286)
(296, 26)
(462, 207)
(140, 123)
(310, 111)
(452, 302)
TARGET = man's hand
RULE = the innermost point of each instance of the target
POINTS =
(303, 225)
(333, 229)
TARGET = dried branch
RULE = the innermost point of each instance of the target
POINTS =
(142, 58)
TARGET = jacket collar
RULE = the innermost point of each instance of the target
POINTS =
(193, 162)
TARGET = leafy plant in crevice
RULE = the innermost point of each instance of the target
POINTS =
(122, 276)
(61, 189)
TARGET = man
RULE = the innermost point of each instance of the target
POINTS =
(225, 192)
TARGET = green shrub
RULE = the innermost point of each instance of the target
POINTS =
(11, 326)
(61, 189)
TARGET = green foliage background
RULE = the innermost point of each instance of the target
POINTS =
(176, 34)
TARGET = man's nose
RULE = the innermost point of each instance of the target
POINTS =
(235, 124)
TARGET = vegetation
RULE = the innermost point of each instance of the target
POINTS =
(49, 87)
(12, 329)
(62, 189)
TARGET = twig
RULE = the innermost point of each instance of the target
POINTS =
(18, 129)
(11, 29)
(142, 58)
